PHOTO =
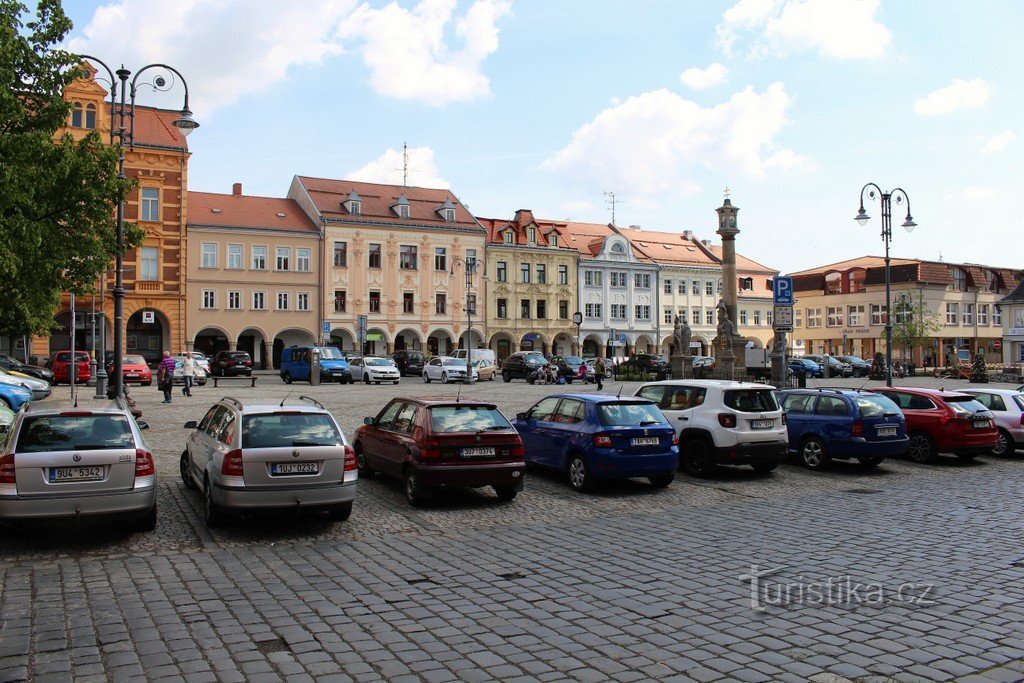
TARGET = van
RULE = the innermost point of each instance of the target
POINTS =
(478, 354)
(296, 360)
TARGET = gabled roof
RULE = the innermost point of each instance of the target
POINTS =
(156, 127)
(1016, 296)
(859, 262)
(240, 211)
(743, 264)
(671, 248)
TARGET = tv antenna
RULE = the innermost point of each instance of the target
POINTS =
(611, 201)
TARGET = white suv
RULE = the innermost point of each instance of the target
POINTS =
(722, 423)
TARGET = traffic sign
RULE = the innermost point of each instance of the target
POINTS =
(327, 327)
(622, 339)
(782, 291)
(782, 318)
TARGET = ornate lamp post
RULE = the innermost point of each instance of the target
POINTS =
(862, 218)
(125, 131)
(577, 320)
(471, 266)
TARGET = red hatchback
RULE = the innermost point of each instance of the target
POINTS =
(135, 370)
(943, 422)
(442, 442)
(60, 364)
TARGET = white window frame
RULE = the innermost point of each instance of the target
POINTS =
(208, 258)
(149, 204)
(952, 313)
(258, 255)
(284, 253)
(259, 300)
(285, 298)
(234, 300)
(303, 260)
(149, 265)
(234, 257)
(209, 300)
(302, 301)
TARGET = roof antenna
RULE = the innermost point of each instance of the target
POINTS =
(286, 398)
(619, 394)
(458, 394)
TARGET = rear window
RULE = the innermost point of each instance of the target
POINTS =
(241, 355)
(135, 360)
(1019, 400)
(875, 406)
(751, 400)
(625, 414)
(80, 357)
(965, 405)
(79, 432)
(284, 430)
(535, 358)
(451, 419)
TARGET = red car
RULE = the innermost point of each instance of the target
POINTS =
(431, 443)
(134, 370)
(943, 422)
(60, 363)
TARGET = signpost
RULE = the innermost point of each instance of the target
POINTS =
(782, 321)
(361, 330)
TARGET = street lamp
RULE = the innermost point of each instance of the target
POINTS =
(471, 266)
(862, 218)
(577, 320)
(125, 109)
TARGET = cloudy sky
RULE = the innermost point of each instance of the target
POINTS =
(792, 104)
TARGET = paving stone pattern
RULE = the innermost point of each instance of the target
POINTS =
(626, 584)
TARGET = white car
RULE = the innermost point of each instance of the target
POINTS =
(200, 375)
(200, 359)
(374, 369)
(1007, 406)
(447, 369)
(38, 387)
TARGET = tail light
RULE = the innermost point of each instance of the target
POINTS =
(727, 420)
(783, 418)
(1022, 419)
(144, 463)
(857, 429)
(517, 451)
(675, 439)
(430, 450)
(7, 469)
(232, 465)
(350, 459)
(602, 441)
(229, 363)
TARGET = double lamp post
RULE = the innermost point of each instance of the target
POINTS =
(471, 266)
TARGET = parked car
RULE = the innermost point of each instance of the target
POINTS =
(6, 419)
(941, 421)
(77, 464)
(247, 457)
(409, 362)
(647, 363)
(198, 374)
(368, 369)
(842, 424)
(569, 368)
(12, 364)
(521, 365)
(14, 396)
(721, 422)
(595, 436)
(447, 369)
(38, 387)
(1007, 407)
(200, 360)
(297, 364)
(134, 369)
(60, 365)
(861, 367)
(486, 369)
(837, 368)
(703, 362)
(231, 363)
(440, 443)
(804, 367)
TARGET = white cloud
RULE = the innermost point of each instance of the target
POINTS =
(960, 94)
(840, 29)
(387, 168)
(979, 193)
(655, 144)
(999, 142)
(410, 58)
(699, 79)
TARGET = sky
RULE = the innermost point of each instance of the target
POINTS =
(549, 105)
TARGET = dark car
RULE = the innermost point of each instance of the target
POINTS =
(841, 424)
(522, 364)
(861, 367)
(836, 367)
(12, 364)
(447, 442)
(942, 422)
(569, 367)
(409, 362)
(648, 363)
(228, 363)
(802, 367)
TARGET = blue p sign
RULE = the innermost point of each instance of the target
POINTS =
(782, 289)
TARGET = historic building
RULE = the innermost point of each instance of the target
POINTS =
(531, 286)
(1011, 307)
(254, 275)
(395, 257)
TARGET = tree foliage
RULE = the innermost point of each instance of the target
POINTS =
(913, 325)
(57, 226)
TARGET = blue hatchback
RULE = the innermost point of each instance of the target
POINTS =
(595, 436)
(14, 395)
(843, 424)
(805, 367)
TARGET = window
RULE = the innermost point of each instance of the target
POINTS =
(407, 257)
(997, 317)
(440, 258)
(282, 301)
(341, 254)
(952, 314)
(757, 317)
(622, 280)
(798, 317)
(902, 311)
(234, 300)
(355, 207)
(709, 288)
(209, 298)
(855, 315)
(960, 279)
(149, 209)
(524, 272)
(373, 256)
(449, 215)
(563, 310)
(209, 255)
(403, 210)
(302, 260)
(668, 286)
(542, 309)
(968, 314)
(563, 275)
(877, 314)
(983, 314)
(682, 286)
(502, 308)
(709, 317)
(235, 256)
(470, 257)
(592, 278)
(743, 317)
(553, 239)
(302, 301)
(90, 116)
(992, 281)
(696, 287)
(769, 315)
(502, 271)
(746, 284)
(533, 236)
(643, 312)
(856, 281)
(592, 310)
(284, 255)
(524, 308)
(76, 115)
(508, 237)
(813, 317)
(440, 303)
(259, 258)
(149, 263)
(834, 316)
(408, 303)
(339, 301)
(668, 315)
(618, 311)
(542, 274)
(642, 280)
(374, 302)
(259, 301)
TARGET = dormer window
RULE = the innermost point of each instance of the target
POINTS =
(532, 232)
(401, 206)
(959, 279)
(355, 208)
(353, 204)
(553, 239)
(833, 283)
(447, 211)
(509, 237)
(992, 281)
(747, 284)
(403, 211)
(76, 115)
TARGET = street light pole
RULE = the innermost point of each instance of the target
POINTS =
(125, 109)
(862, 218)
(471, 266)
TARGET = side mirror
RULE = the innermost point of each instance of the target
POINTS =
(523, 416)
(368, 421)
(191, 424)
(142, 424)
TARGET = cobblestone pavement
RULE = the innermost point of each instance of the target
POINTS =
(923, 565)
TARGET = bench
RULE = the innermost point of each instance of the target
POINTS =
(251, 379)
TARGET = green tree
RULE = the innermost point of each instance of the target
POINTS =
(913, 324)
(57, 227)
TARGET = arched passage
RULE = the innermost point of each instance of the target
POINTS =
(146, 334)
(593, 345)
(408, 340)
(533, 341)
(343, 339)
(254, 342)
(211, 341)
(478, 339)
(439, 343)
(564, 344)
(502, 344)
(377, 343)
(290, 337)
(644, 344)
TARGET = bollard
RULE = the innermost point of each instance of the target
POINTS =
(314, 367)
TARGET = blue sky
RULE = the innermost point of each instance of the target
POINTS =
(792, 104)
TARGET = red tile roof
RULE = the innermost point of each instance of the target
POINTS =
(671, 248)
(240, 211)
(155, 127)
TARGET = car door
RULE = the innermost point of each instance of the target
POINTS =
(433, 369)
(567, 426)
(832, 418)
(199, 448)
(357, 368)
(799, 409)
(537, 441)
(678, 403)
(373, 438)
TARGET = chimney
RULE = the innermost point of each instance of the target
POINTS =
(706, 243)
(523, 216)
(236, 189)
(634, 227)
(687, 235)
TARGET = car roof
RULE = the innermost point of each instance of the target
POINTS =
(599, 398)
(84, 407)
(432, 401)
(262, 405)
(980, 390)
(923, 391)
(843, 391)
(709, 383)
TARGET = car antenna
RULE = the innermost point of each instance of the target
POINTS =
(458, 394)
(619, 394)
(286, 398)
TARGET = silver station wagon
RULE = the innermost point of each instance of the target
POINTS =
(247, 457)
(77, 463)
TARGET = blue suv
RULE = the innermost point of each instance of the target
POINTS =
(843, 424)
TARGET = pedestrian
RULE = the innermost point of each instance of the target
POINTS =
(165, 376)
(188, 372)
(599, 371)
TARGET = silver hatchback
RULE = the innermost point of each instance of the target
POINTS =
(77, 463)
(248, 457)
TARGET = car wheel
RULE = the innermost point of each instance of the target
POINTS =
(872, 461)
(491, 378)
(444, 378)
(661, 481)
(366, 379)
(426, 377)
(211, 512)
(1004, 444)
(364, 470)
(507, 377)
(148, 521)
(414, 491)
(186, 476)
(696, 458)
(146, 384)
(340, 512)
(287, 378)
(813, 454)
(579, 474)
(375, 382)
(351, 380)
(506, 493)
(921, 448)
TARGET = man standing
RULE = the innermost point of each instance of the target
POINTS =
(188, 372)
(599, 372)
(165, 375)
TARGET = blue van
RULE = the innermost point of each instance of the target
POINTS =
(295, 362)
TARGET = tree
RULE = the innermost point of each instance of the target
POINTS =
(913, 324)
(57, 227)
(979, 369)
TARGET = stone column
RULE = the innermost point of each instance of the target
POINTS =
(727, 230)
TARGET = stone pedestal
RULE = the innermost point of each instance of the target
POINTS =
(682, 367)
(779, 366)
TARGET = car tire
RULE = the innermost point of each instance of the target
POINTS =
(340, 512)
(147, 522)
(376, 383)
(1005, 445)
(507, 377)
(186, 476)
(696, 458)
(351, 380)
(922, 448)
(366, 379)
(491, 378)
(660, 481)
(365, 472)
(872, 461)
(444, 378)
(287, 378)
(426, 377)
(415, 494)
(813, 454)
(506, 493)
(149, 383)
(212, 515)
(579, 473)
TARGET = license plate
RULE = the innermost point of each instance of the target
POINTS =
(93, 473)
(887, 431)
(645, 441)
(294, 468)
(476, 450)
(762, 424)
(982, 424)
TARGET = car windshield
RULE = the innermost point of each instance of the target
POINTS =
(377, 361)
(135, 360)
(450, 419)
(751, 400)
(964, 404)
(74, 432)
(572, 360)
(629, 414)
(875, 406)
(330, 353)
(854, 359)
(535, 358)
(288, 429)
(455, 361)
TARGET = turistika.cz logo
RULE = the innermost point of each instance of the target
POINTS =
(833, 591)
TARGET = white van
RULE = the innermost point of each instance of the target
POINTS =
(478, 354)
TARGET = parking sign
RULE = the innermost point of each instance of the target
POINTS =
(782, 291)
